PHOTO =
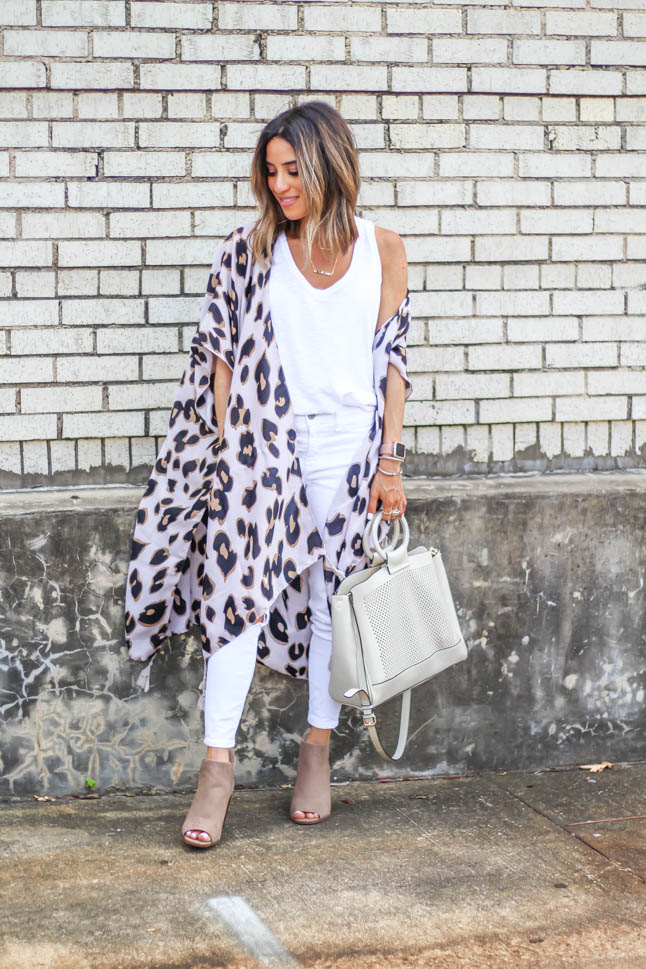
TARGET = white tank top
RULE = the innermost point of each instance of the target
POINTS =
(325, 336)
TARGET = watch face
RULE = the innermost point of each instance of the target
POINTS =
(400, 450)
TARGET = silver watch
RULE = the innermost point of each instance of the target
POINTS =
(393, 449)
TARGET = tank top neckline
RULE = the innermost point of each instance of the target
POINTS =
(314, 290)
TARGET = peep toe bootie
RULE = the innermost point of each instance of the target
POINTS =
(208, 810)
(312, 787)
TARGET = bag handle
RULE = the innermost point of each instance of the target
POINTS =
(378, 554)
(394, 556)
(375, 552)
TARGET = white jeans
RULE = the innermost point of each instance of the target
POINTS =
(326, 444)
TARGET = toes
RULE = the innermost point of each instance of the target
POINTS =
(198, 835)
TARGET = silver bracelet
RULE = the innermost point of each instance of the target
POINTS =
(391, 474)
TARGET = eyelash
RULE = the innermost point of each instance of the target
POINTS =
(273, 173)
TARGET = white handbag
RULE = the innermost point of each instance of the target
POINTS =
(394, 626)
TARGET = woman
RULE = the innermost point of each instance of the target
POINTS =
(299, 362)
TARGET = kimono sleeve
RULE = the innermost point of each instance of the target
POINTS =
(219, 314)
(397, 353)
(218, 327)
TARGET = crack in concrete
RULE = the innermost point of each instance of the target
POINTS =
(561, 825)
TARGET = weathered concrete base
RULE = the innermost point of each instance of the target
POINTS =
(479, 872)
(547, 572)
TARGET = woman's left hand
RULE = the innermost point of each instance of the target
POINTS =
(387, 490)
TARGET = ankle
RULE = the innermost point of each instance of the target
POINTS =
(317, 735)
(221, 754)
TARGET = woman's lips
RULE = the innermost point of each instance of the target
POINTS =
(289, 200)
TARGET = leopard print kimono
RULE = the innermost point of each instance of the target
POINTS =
(224, 532)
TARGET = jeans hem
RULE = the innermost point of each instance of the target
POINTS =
(321, 725)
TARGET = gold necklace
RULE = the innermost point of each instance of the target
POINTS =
(324, 272)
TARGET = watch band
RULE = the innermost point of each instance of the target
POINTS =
(393, 449)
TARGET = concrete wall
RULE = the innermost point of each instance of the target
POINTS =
(548, 574)
(505, 142)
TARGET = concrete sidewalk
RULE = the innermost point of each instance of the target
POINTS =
(493, 871)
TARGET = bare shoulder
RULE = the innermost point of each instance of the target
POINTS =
(390, 243)
(394, 269)
(393, 255)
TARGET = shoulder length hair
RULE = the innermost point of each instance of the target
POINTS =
(328, 168)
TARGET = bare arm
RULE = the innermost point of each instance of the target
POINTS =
(386, 489)
(394, 401)
(394, 286)
(394, 272)
(223, 375)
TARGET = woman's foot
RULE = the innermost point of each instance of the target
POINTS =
(312, 787)
(203, 824)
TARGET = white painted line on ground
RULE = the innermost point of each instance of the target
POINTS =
(250, 930)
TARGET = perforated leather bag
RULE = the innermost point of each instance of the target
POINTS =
(394, 626)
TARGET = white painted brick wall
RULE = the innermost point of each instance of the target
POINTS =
(505, 143)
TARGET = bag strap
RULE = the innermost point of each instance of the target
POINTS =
(370, 721)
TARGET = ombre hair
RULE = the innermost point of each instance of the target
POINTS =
(328, 168)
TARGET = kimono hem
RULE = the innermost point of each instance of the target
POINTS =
(224, 535)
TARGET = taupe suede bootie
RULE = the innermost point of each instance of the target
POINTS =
(312, 787)
(210, 805)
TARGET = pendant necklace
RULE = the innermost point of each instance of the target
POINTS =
(324, 272)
